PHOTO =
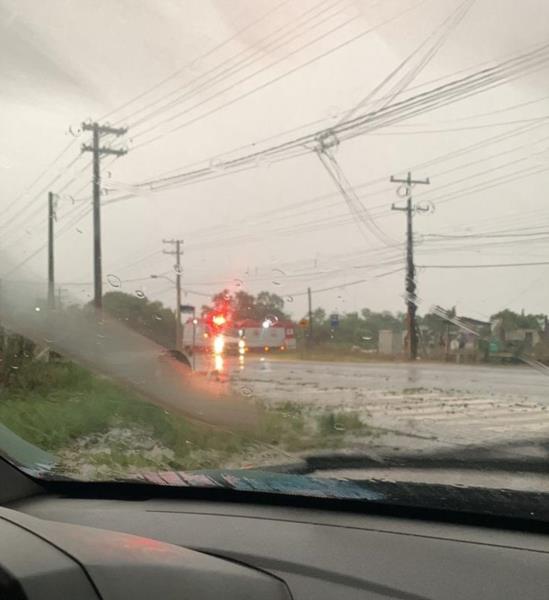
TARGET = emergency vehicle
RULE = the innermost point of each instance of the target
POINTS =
(218, 335)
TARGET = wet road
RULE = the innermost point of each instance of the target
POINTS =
(456, 404)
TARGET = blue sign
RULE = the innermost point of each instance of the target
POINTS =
(334, 320)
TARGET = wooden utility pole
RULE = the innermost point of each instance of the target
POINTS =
(177, 252)
(411, 297)
(97, 150)
(51, 276)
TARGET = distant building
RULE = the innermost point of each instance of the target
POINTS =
(528, 337)
(390, 343)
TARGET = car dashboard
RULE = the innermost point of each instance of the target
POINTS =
(61, 547)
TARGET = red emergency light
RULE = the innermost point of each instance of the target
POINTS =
(217, 320)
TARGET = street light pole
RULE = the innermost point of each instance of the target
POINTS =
(177, 267)
(178, 326)
(194, 339)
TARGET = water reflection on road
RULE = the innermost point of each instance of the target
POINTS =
(454, 403)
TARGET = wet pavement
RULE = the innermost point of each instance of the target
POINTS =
(442, 403)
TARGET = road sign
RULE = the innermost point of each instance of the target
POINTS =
(304, 323)
(186, 308)
(334, 320)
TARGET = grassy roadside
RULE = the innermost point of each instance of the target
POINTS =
(99, 427)
(330, 355)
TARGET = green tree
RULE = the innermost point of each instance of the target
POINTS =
(151, 319)
(270, 304)
(319, 317)
(512, 320)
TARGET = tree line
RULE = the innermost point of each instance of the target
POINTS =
(361, 328)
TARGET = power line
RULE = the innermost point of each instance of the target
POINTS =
(492, 266)
(405, 109)
(265, 46)
(208, 53)
(40, 194)
(39, 177)
(513, 132)
(286, 74)
(443, 30)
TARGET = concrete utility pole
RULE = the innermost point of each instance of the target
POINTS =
(51, 278)
(178, 270)
(97, 150)
(411, 296)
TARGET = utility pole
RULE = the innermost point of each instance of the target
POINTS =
(51, 278)
(194, 339)
(97, 150)
(177, 252)
(309, 296)
(411, 296)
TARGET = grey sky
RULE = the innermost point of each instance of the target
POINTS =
(64, 61)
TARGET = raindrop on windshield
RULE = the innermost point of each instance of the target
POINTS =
(178, 269)
(425, 207)
(278, 276)
(339, 427)
(289, 299)
(157, 317)
(75, 130)
(79, 230)
(139, 293)
(238, 282)
(246, 391)
(114, 280)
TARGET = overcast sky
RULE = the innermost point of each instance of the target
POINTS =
(67, 61)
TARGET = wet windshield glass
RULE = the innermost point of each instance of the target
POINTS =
(307, 236)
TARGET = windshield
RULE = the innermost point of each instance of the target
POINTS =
(302, 238)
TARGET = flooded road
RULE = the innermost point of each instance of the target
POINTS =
(448, 404)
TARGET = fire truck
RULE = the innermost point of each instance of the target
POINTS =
(266, 335)
(216, 333)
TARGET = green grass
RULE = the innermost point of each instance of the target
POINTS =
(339, 423)
(55, 406)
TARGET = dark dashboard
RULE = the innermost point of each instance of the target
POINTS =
(291, 552)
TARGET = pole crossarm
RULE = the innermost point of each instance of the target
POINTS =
(104, 150)
(105, 129)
